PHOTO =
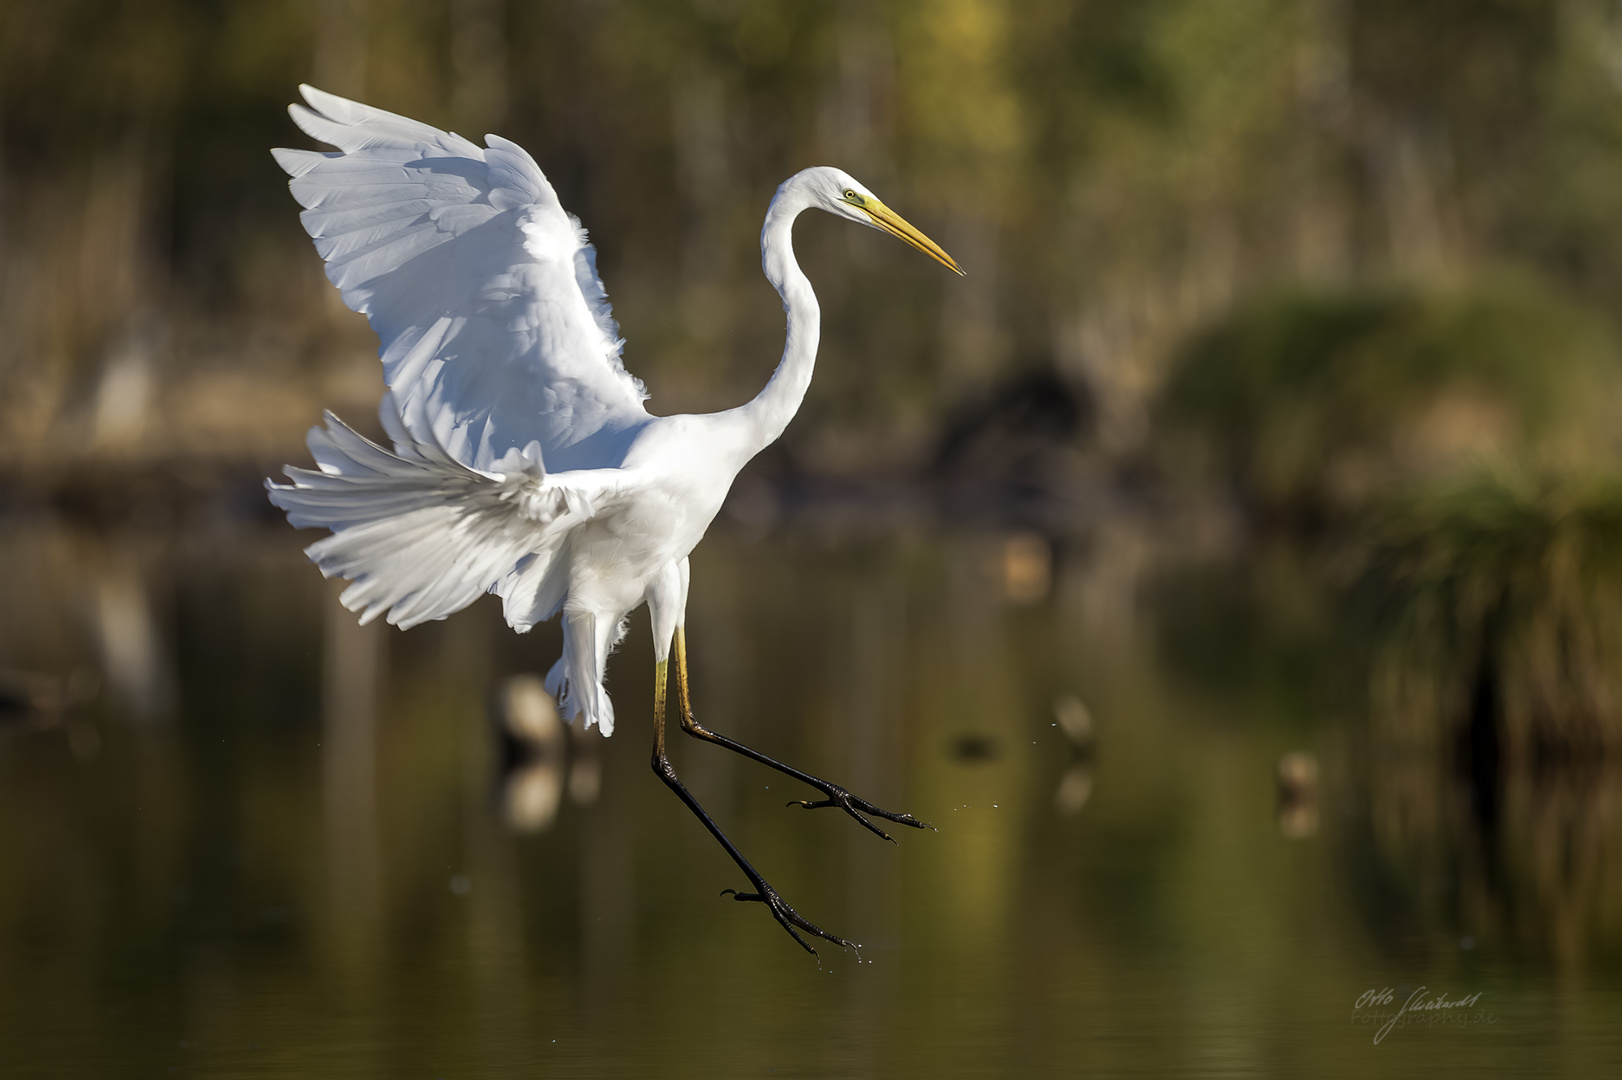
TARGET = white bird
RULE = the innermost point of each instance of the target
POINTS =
(524, 462)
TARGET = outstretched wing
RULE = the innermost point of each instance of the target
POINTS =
(495, 328)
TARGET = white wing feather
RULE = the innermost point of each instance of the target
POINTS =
(422, 535)
(495, 328)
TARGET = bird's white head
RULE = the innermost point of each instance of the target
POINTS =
(842, 195)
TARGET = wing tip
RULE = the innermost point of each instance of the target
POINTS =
(296, 163)
(323, 102)
(309, 121)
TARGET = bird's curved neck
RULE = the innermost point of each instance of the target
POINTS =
(773, 408)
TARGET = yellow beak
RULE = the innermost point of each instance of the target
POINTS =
(896, 225)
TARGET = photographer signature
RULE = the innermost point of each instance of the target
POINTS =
(1419, 1008)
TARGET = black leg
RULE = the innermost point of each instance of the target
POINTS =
(786, 916)
(835, 795)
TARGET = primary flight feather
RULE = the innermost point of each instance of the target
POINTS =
(524, 462)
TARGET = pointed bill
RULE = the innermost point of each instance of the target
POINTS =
(896, 225)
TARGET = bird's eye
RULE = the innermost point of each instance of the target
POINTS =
(852, 196)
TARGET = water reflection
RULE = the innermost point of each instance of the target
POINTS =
(133, 656)
(85, 621)
(356, 852)
(354, 665)
(1538, 876)
(534, 746)
(1075, 720)
(1298, 795)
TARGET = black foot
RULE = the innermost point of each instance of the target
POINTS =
(850, 804)
(787, 916)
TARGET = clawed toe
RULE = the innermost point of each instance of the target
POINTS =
(787, 917)
(856, 808)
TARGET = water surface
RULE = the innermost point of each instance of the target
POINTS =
(261, 841)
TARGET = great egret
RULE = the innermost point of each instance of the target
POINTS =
(524, 462)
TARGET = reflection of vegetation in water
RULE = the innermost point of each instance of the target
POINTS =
(1494, 704)
(1501, 606)
(1479, 800)
(1317, 402)
(1530, 863)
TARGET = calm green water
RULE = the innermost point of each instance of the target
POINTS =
(269, 843)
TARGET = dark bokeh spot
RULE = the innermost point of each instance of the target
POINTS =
(1001, 433)
(973, 749)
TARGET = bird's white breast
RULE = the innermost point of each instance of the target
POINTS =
(683, 468)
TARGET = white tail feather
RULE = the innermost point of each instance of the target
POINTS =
(576, 680)
(419, 534)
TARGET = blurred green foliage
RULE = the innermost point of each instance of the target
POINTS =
(1115, 175)
(1318, 402)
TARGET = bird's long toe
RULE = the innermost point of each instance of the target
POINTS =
(857, 808)
(787, 917)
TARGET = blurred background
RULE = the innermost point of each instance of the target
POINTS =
(1230, 565)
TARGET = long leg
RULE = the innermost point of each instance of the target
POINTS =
(836, 795)
(764, 893)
